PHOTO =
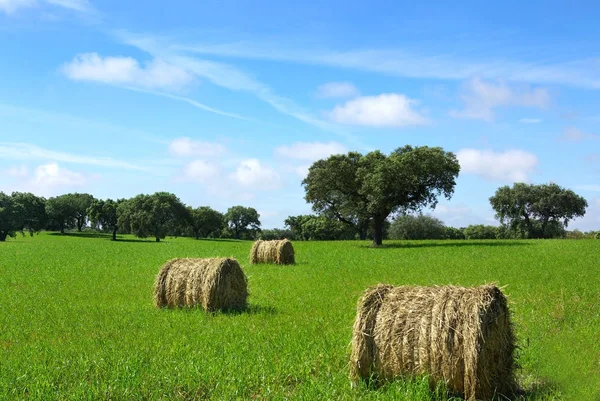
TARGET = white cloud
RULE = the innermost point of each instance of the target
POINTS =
(511, 165)
(337, 90)
(10, 6)
(457, 216)
(385, 110)
(18, 171)
(200, 171)
(310, 151)
(185, 147)
(591, 187)
(480, 98)
(156, 74)
(572, 134)
(25, 151)
(530, 120)
(251, 173)
(53, 175)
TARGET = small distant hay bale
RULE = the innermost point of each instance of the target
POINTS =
(213, 283)
(460, 336)
(280, 252)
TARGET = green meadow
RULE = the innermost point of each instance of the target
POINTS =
(77, 320)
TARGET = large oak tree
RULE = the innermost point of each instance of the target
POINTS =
(537, 211)
(365, 189)
(20, 212)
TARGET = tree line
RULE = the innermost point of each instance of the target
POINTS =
(353, 196)
(155, 216)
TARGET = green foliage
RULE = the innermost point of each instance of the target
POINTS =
(61, 212)
(480, 231)
(242, 221)
(323, 228)
(80, 322)
(365, 189)
(20, 212)
(453, 233)
(417, 227)
(105, 214)
(205, 222)
(153, 215)
(276, 234)
(537, 211)
(81, 203)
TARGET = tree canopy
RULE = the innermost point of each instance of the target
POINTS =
(20, 212)
(411, 227)
(81, 203)
(364, 190)
(151, 215)
(242, 220)
(61, 212)
(204, 221)
(537, 211)
(106, 214)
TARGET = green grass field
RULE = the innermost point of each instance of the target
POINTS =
(77, 319)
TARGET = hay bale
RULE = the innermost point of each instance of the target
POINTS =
(280, 252)
(214, 283)
(461, 336)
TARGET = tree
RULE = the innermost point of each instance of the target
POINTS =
(480, 231)
(204, 221)
(323, 228)
(453, 233)
(81, 203)
(242, 220)
(537, 211)
(151, 215)
(20, 212)
(363, 190)
(61, 211)
(105, 213)
(417, 227)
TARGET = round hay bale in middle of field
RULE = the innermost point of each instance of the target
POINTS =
(213, 283)
(460, 336)
(280, 252)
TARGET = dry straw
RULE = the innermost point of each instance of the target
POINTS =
(461, 336)
(280, 252)
(215, 284)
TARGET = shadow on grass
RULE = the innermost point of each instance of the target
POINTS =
(252, 309)
(83, 234)
(221, 239)
(466, 243)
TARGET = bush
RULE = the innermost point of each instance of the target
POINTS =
(453, 233)
(480, 231)
(417, 227)
(276, 234)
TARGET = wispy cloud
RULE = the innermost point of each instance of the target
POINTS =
(155, 74)
(226, 76)
(582, 73)
(385, 110)
(337, 90)
(509, 166)
(26, 151)
(186, 147)
(530, 120)
(481, 98)
(310, 151)
(572, 134)
(11, 6)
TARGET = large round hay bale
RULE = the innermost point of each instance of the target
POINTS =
(213, 283)
(280, 252)
(461, 336)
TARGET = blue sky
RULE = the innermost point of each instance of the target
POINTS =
(226, 103)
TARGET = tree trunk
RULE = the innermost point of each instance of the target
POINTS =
(3, 236)
(377, 232)
(62, 229)
(114, 237)
(80, 224)
(157, 239)
(196, 234)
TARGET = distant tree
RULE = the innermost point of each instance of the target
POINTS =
(276, 234)
(480, 231)
(105, 214)
(322, 228)
(294, 223)
(81, 203)
(417, 227)
(242, 220)
(453, 233)
(20, 212)
(366, 189)
(204, 221)
(153, 215)
(61, 212)
(537, 211)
